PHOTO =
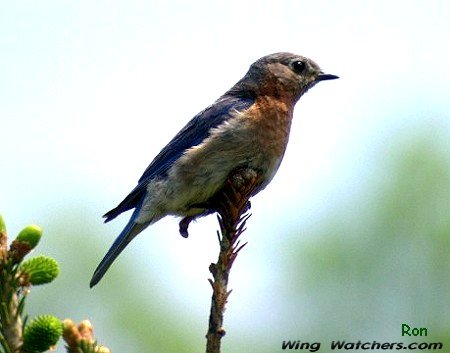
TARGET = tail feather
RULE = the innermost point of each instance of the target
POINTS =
(130, 231)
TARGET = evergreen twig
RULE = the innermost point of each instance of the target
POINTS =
(231, 203)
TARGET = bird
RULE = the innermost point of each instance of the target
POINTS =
(247, 127)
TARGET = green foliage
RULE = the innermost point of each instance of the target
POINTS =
(2, 225)
(16, 280)
(87, 347)
(31, 235)
(41, 269)
(42, 333)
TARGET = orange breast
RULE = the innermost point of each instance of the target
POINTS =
(270, 121)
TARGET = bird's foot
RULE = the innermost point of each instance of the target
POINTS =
(184, 225)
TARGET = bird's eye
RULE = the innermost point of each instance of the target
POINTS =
(298, 66)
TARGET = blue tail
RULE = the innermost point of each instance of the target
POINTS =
(130, 231)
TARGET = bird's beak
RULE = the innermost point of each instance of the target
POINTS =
(323, 77)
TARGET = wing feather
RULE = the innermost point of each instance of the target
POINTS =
(196, 130)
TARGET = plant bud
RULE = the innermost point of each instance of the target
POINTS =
(31, 235)
(42, 333)
(40, 269)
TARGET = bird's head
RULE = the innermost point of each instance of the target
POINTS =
(282, 75)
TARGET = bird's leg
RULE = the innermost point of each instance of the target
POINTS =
(184, 225)
(240, 184)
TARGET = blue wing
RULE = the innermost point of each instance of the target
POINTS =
(191, 135)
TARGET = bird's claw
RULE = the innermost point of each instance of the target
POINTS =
(184, 225)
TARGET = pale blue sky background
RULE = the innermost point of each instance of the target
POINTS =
(90, 91)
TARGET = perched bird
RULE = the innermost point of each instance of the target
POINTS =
(246, 127)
